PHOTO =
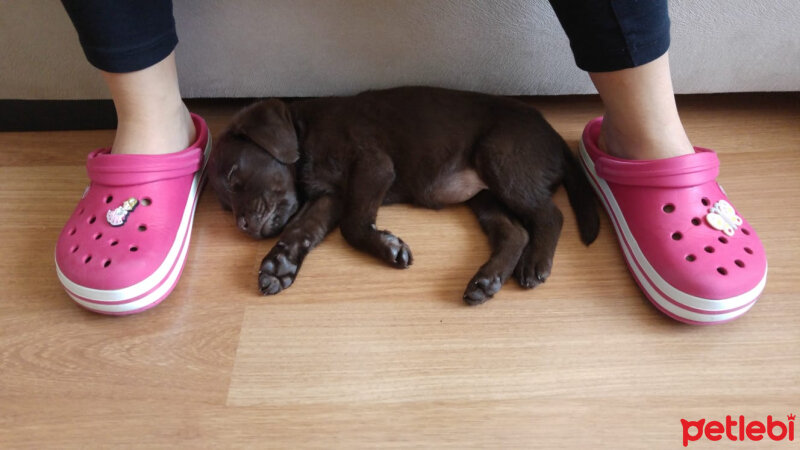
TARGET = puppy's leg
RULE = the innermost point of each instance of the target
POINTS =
(536, 262)
(521, 173)
(507, 238)
(370, 179)
(308, 228)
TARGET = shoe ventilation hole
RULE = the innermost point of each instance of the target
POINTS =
(81, 211)
(677, 236)
(92, 219)
(72, 231)
(723, 239)
(748, 250)
(709, 249)
(87, 258)
(98, 236)
(109, 199)
(147, 201)
(142, 227)
(722, 270)
(706, 201)
(74, 248)
(106, 263)
(696, 221)
(134, 248)
(668, 208)
(739, 263)
(113, 243)
(691, 257)
(746, 231)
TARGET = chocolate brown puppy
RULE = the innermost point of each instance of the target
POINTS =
(301, 169)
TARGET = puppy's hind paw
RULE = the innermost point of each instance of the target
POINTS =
(531, 275)
(397, 252)
(481, 288)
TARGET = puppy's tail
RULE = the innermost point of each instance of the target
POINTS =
(581, 197)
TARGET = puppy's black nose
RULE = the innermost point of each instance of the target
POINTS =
(242, 223)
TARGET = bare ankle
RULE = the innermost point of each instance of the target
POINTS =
(157, 133)
(640, 143)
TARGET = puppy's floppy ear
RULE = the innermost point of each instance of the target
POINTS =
(269, 125)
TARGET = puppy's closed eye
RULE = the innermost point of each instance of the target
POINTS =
(233, 181)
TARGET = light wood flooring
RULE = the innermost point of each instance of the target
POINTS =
(360, 355)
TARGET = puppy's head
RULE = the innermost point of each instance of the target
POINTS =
(251, 168)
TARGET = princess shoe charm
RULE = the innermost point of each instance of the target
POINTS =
(117, 217)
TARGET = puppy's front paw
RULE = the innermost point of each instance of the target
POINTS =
(278, 271)
(396, 252)
(481, 288)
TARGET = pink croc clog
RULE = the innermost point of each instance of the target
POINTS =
(690, 252)
(124, 247)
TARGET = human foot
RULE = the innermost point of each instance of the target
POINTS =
(641, 119)
(151, 116)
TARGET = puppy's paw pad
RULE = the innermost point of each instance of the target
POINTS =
(277, 273)
(482, 288)
(271, 285)
(282, 265)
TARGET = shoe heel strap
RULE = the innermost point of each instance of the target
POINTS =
(127, 170)
(682, 171)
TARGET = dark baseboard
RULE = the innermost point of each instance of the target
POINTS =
(61, 115)
(57, 115)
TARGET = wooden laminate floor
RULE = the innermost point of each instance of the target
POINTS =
(359, 355)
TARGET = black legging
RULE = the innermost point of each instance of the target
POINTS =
(605, 35)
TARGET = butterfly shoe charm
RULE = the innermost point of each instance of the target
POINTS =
(723, 217)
